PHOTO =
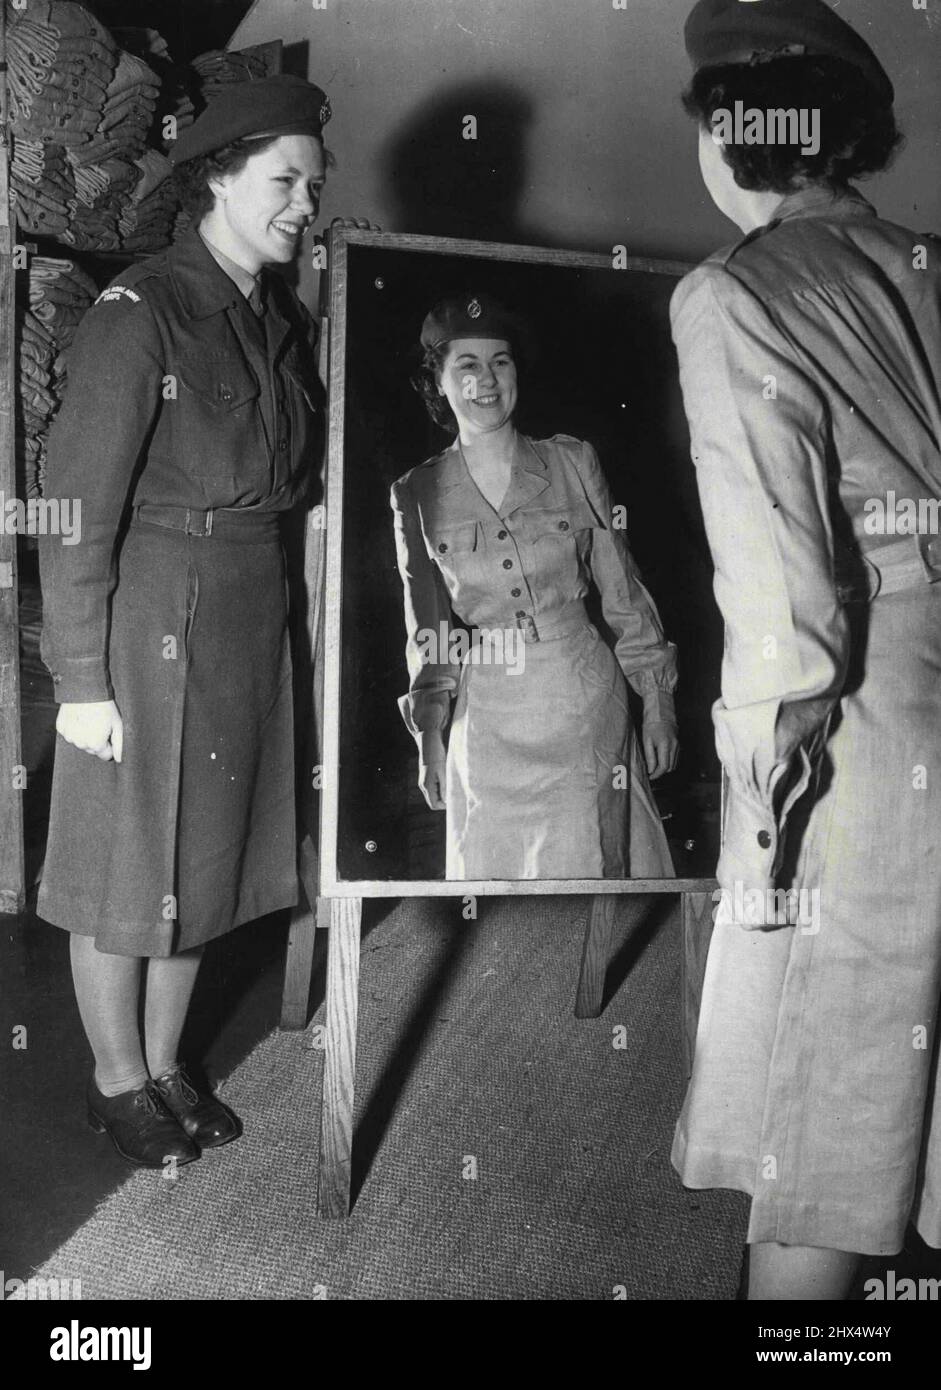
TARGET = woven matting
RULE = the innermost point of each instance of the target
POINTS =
(470, 1060)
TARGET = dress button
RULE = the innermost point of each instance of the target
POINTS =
(521, 612)
(515, 593)
(501, 535)
(563, 526)
(764, 839)
(283, 444)
(224, 393)
(442, 548)
(507, 564)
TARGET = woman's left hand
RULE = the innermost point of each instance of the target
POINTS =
(661, 749)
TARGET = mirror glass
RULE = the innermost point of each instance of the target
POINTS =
(543, 731)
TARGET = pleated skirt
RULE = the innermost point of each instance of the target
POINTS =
(193, 832)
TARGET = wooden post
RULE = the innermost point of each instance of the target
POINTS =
(339, 1072)
(596, 949)
(12, 868)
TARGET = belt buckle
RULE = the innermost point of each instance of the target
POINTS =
(206, 520)
(528, 627)
(929, 553)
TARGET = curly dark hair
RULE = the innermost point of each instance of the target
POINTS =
(192, 177)
(858, 133)
(424, 379)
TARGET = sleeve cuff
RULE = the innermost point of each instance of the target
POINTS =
(753, 835)
(424, 713)
(659, 707)
(80, 683)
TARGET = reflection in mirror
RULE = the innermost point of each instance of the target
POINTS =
(516, 628)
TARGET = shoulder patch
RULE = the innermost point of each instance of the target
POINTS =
(117, 292)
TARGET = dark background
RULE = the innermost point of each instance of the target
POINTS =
(603, 369)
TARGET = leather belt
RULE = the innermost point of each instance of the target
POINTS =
(563, 623)
(890, 569)
(194, 521)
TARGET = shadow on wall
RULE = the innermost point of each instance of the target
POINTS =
(458, 167)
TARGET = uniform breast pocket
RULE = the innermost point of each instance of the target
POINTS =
(554, 524)
(219, 399)
(452, 546)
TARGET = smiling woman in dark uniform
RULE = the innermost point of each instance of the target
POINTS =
(188, 432)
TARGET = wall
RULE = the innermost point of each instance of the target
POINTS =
(582, 141)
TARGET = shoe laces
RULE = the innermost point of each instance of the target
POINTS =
(147, 1100)
(187, 1090)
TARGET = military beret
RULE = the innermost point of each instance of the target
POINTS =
(468, 316)
(249, 110)
(743, 31)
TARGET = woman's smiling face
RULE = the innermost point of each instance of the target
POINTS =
(262, 212)
(478, 377)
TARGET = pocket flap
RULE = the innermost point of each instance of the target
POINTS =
(225, 385)
(458, 539)
(541, 522)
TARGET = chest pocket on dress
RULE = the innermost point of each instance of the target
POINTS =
(447, 544)
(556, 523)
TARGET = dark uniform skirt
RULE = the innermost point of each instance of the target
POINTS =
(193, 832)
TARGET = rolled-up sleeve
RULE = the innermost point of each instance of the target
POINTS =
(759, 428)
(645, 656)
(115, 381)
(433, 677)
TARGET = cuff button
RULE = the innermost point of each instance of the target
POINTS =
(764, 839)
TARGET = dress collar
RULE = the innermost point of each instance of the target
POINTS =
(819, 200)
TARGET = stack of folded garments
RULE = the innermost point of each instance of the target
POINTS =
(178, 83)
(41, 178)
(148, 216)
(216, 70)
(61, 61)
(127, 115)
(60, 293)
(101, 195)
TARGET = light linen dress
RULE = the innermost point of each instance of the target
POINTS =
(810, 358)
(545, 775)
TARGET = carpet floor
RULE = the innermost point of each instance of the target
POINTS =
(503, 1149)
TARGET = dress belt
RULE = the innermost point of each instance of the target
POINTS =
(890, 569)
(194, 521)
(547, 627)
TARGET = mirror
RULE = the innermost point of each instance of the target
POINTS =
(600, 368)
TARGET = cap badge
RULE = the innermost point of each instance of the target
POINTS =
(473, 309)
(326, 111)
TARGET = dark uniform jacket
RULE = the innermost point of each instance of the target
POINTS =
(178, 395)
